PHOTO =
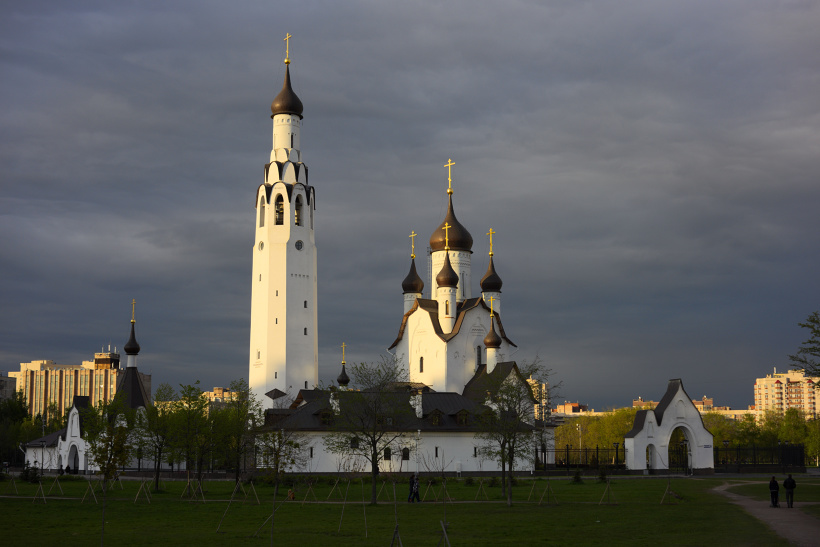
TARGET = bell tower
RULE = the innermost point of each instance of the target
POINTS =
(284, 349)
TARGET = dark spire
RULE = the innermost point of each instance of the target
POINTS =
(491, 282)
(286, 102)
(459, 238)
(343, 378)
(131, 347)
(447, 277)
(492, 340)
(412, 283)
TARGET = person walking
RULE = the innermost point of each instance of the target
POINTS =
(416, 489)
(412, 485)
(789, 485)
(774, 490)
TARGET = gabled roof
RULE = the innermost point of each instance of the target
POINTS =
(431, 307)
(49, 440)
(637, 427)
(481, 383)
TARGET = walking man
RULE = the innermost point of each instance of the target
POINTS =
(790, 484)
(774, 490)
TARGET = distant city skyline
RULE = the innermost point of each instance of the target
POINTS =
(650, 171)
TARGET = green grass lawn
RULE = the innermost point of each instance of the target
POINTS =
(808, 490)
(700, 517)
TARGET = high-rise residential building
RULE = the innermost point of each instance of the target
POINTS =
(780, 391)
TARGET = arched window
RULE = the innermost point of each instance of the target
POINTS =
(262, 212)
(421, 364)
(387, 453)
(279, 210)
(298, 209)
(447, 307)
(405, 454)
(477, 356)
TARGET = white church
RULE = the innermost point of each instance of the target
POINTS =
(453, 345)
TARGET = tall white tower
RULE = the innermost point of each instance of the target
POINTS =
(284, 349)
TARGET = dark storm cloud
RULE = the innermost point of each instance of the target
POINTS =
(651, 171)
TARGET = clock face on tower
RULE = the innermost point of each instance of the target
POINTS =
(299, 245)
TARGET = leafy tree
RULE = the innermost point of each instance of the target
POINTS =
(109, 446)
(807, 356)
(156, 426)
(191, 431)
(234, 421)
(13, 414)
(368, 421)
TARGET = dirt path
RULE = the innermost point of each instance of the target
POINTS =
(791, 524)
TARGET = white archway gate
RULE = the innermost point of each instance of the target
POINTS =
(647, 445)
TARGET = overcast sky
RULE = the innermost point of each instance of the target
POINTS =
(650, 168)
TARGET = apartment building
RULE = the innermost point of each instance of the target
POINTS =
(780, 391)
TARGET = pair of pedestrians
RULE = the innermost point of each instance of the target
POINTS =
(774, 490)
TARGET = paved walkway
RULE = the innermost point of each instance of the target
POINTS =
(791, 524)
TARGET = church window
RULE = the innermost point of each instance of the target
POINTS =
(477, 357)
(475, 451)
(447, 308)
(262, 213)
(311, 451)
(405, 454)
(275, 375)
(435, 418)
(305, 303)
(305, 331)
(436, 452)
(298, 211)
(387, 453)
(421, 364)
(461, 418)
(260, 277)
(354, 442)
(258, 354)
(279, 210)
(305, 384)
(291, 140)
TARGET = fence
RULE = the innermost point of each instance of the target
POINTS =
(783, 458)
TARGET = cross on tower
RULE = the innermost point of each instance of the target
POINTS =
(343, 352)
(447, 236)
(492, 299)
(133, 305)
(287, 48)
(490, 233)
(449, 165)
(413, 235)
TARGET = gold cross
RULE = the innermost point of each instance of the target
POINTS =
(133, 305)
(287, 48)
(492, 299)
(413, 235)
(490, 233)
(449, 165)
(447, 236)
(343, 352)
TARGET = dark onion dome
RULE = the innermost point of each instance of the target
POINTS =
(286, 102)
(412, 283)
(343, 378)
(131, 347)
(447, 277)
(491, 282)
(492, 340)
(460, 239)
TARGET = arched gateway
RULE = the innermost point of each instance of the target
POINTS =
(649, 444)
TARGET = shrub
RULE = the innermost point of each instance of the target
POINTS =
(469, 481)
(576, 479)
(494, 481)
(602, 475)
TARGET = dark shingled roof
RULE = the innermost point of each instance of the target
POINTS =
(482, 383)
(640, 420)
(50, 439)
(458, 236)
(315, 405)
(431, 307)
(412, 283)
(131, 389)
(286, 102)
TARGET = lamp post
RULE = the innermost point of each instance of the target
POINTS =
(42, 455)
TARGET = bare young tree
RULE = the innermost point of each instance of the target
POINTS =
(371, 418)
(155, 426)
(508, 427)
(235, 421)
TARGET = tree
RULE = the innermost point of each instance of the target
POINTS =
(373, 419)
(191, 431)
(507, 426)
(234, 421)
(807, 356)
(107, 434)
(155, 426)
(13, 414)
